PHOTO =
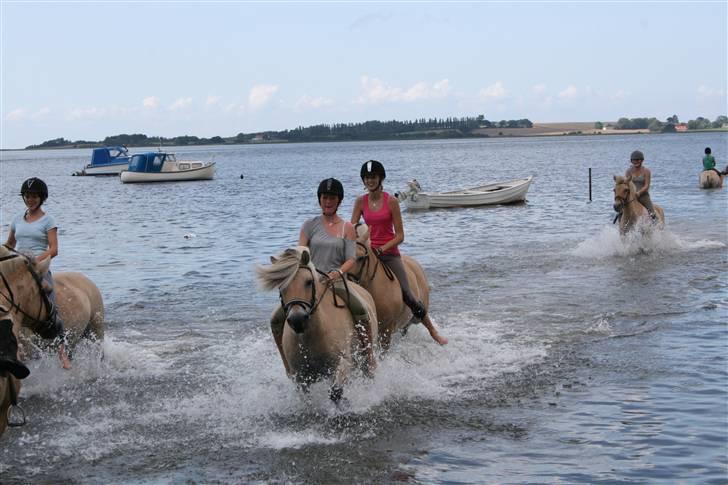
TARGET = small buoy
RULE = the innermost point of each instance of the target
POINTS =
(242, 176)
(190, 235)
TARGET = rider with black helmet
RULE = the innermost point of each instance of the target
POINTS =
(34, 232)
(332, 243)
(641, 177)
(382, 214)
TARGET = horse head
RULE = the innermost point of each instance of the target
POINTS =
(295, 276)
(624, 190)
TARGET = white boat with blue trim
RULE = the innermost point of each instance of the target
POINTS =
(164, 167)
(507, 192)
(107, 161)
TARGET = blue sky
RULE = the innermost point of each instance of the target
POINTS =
(87, 70)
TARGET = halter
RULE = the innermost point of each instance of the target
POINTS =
(10, 297)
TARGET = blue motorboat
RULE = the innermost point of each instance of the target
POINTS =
(107, 161)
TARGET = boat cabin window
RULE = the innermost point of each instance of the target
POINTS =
(184, 166)
(158, 161)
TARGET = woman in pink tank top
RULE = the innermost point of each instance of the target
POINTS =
(386, 232)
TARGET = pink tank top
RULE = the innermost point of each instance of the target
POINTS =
(381, 225)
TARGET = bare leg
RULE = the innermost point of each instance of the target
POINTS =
(433, 331)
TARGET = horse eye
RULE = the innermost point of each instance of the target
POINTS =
(309, 283)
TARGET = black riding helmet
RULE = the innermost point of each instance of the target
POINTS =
(373, 167)
(331, 186)
(35, 185)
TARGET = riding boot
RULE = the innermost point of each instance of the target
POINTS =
(418, 308)
(9, 351)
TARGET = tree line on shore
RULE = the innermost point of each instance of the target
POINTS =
(451, 127)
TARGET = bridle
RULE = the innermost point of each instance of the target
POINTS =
(363, 260)
(624, 201)
(309, 306)
(9, 296)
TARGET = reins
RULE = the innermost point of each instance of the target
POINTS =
(10, 296)
(365, 264)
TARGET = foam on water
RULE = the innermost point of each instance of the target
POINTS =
(609, 243)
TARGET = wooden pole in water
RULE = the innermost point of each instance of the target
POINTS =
(590, 199)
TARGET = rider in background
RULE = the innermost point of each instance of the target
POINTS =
(709, 164)
(35, 233)
(641, 176)
(332, 243)
(381, 213)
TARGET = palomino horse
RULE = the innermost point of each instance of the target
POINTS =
(319, 340)
(632, 213)
(379, 280)
(709, 179)
(24, 301)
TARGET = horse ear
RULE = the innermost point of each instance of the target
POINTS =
(273, 260)
(615, 178)
(628, 178)
(362, 232)
(305, 257)
(42, 267)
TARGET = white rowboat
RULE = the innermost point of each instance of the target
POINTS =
(496, 193)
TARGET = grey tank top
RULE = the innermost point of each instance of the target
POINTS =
(639, 182)
(328, 252)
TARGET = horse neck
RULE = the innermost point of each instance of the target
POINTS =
(26, 294)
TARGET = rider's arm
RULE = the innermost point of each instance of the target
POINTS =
(11, 239)
(52, 250)
(356, 211)
(398, 226)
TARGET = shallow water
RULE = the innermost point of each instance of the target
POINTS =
(575, 356)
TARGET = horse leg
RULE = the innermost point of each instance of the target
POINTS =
(341, 376)
(277, 321)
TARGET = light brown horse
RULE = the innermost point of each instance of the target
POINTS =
(23, 300)
(632, 212)
(375, 277)
(709, 179)
(319, 338)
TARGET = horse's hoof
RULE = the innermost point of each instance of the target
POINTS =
(336, 393)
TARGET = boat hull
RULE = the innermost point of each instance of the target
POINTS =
(110, 169)
(204, 173)
(498, 193)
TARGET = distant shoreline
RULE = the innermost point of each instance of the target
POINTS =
(582, 128)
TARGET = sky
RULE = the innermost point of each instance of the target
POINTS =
(88, 70)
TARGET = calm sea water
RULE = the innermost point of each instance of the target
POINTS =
(575, 356)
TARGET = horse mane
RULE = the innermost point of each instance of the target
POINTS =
(619, 179)
(283, 268)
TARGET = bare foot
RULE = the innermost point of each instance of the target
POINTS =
(63, 356)
(438, 338)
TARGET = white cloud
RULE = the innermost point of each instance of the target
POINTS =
(16, 115)
(212, 100)
(375, 91)
(307, 102)
(620, 94)
(181, 103)
(21, 114)
(538, 88)
(569, 93)
(151, 102)
(708, 92)
(494, 91)
(85, 113)
(260, 94)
